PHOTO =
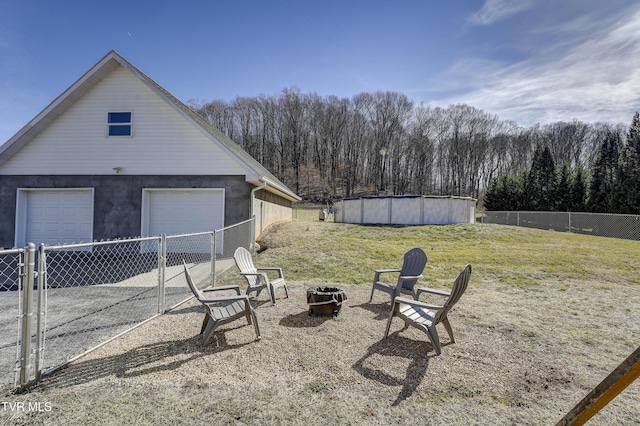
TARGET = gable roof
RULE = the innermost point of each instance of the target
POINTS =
(257, 173)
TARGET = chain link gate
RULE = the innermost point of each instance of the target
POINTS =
(89, 294)
(111, 287)
(12, 312)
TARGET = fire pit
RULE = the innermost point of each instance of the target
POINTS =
(325, 301)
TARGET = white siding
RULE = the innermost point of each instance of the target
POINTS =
(164, 142)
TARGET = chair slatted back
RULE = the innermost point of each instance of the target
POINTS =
(244, 261)
(459, 286)
(192, 286)
(413, 265)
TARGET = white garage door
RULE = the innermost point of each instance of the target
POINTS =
(54, 216)
(173, 211)
(183, 211)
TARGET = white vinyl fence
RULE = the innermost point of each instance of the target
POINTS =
(625, 226)
(58, 303)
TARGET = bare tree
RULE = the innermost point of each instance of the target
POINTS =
(388, 113)
(354, 149)
(565, 140)
(380, 142)
(421, 151)
(332, 126)
(293, 132)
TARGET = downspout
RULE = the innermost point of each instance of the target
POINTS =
(251, 214)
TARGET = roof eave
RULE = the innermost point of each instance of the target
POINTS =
(59, 105)
(277, 189)
(254, 171)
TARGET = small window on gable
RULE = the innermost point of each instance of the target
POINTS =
(119, 124)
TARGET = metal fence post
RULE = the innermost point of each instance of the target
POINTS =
(40, 316)
(213, 258)
(27, 313)
(162, 265)
(569, 214)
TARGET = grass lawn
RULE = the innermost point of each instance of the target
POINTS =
(546, 317)
(346, 254)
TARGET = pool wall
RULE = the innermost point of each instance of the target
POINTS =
(405, 210)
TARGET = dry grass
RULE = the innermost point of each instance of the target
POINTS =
(530, 343)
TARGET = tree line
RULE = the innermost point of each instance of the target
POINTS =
(327, 147)
(610, 185)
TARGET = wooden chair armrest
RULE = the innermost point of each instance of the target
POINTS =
(279, 270)
(410, 277)
(226, 299)
(420, 290)
(382, 271)
(252, 273)
(263, 280)
(379, 272)
(222, 288)
(417, 303)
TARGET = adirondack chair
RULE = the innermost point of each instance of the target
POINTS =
(221, 309)
(257, 278)
(412, 267)
(425, 316)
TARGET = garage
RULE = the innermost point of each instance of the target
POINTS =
(168, 147)
(182, 211)
(54, 216)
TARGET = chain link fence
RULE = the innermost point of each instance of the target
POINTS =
(600, 224)
(94, 291)
(312, 212)
(11, 272)
(89, 294)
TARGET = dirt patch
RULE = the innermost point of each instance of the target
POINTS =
(522, 356)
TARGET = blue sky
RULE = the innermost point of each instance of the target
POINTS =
(530, 61)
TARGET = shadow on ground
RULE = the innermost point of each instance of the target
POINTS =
(147, 359)
(397, 346)
(303, 319)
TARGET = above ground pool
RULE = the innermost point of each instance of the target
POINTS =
(405, 210)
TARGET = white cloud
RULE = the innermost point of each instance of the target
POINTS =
(592, 74)
(497, 10)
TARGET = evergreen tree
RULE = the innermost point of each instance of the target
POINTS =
(603, 174)
(541, 181)
(623, 186)
(529, 192)
(633, 136)
(626, 190)
(492, 197)
(562, 201)
(518, 185)
(578, 191)
(633, 144)
(530, 189)
(503, 194)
